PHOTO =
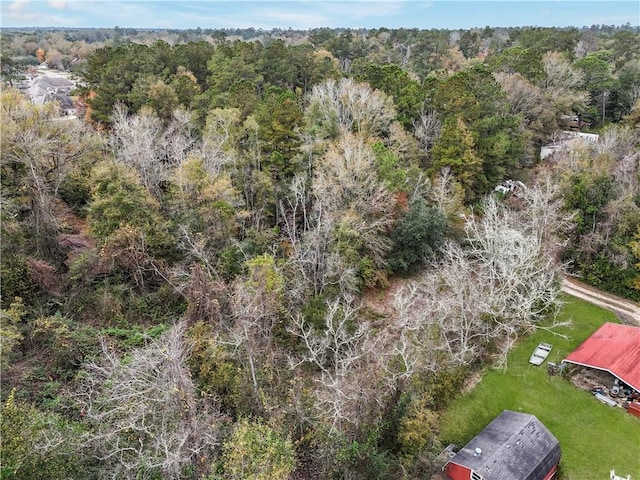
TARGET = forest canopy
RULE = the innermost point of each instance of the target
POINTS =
(280, 254)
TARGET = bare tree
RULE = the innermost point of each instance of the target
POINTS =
(560, 76)
(255, 311)
(562, 84)
(144, 413)
(524, 97)
(447, 193)
(620, 144)
(405, 51)
(497, 287)
(447, 307)
(338, 107)
(346, 182)
(357, 367)
(296, 203)
(220, 137)
(348, 203)
(135, 141)
(143, 141)
(427, 128)
(342, 356)
(179, 139)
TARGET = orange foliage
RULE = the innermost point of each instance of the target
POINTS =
(402, 201)
(40, 54)
(87, 114)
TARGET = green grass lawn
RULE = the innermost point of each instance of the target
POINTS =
(594, 437)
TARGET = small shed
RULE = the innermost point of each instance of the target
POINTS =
(613, 348)
(514, 446)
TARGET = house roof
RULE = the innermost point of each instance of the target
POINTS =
(514, 446)
(46, 81)
(614, 348)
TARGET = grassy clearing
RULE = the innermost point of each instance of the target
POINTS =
(594, 438)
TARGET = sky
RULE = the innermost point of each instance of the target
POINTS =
(308, 14)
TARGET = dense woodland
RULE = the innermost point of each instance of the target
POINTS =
(271, 255)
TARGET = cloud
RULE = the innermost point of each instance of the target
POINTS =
(58, 4)
(18, 5)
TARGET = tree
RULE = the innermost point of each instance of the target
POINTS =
(193, 57)
(10, 70)
(629, 84)
(519, 59)
(455, 149)
(417, 237)
(145, 416)
(339, 107)
(163, 99)
(234, 76)
(341, 355)
(122, 208)
(9, 331)
(625, 47)
(563, 84)
(152, 147)
(346, 47)
(353, 207)
(499, 285)
(599, 186)
(256, 308)
(277, 66)
(205, 208)
(470, 43)
(427, 128)
(185, 85)
(635, 249)
(125, 73)
(279, 118)
(407, 95)
(223, 134)
(477, 130)
(38, 153)
(598, 79)
(545, 39)
(588, 194)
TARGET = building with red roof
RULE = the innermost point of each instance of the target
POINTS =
(613, 348)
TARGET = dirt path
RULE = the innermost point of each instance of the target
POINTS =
(628, 311)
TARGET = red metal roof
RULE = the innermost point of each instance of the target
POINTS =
(614, 348)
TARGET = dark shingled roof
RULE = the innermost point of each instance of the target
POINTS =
(515, 446)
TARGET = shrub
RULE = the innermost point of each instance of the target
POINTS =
(36, 444)
(256, 452)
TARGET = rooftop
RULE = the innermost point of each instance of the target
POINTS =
(614, 348)
(514, 446)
